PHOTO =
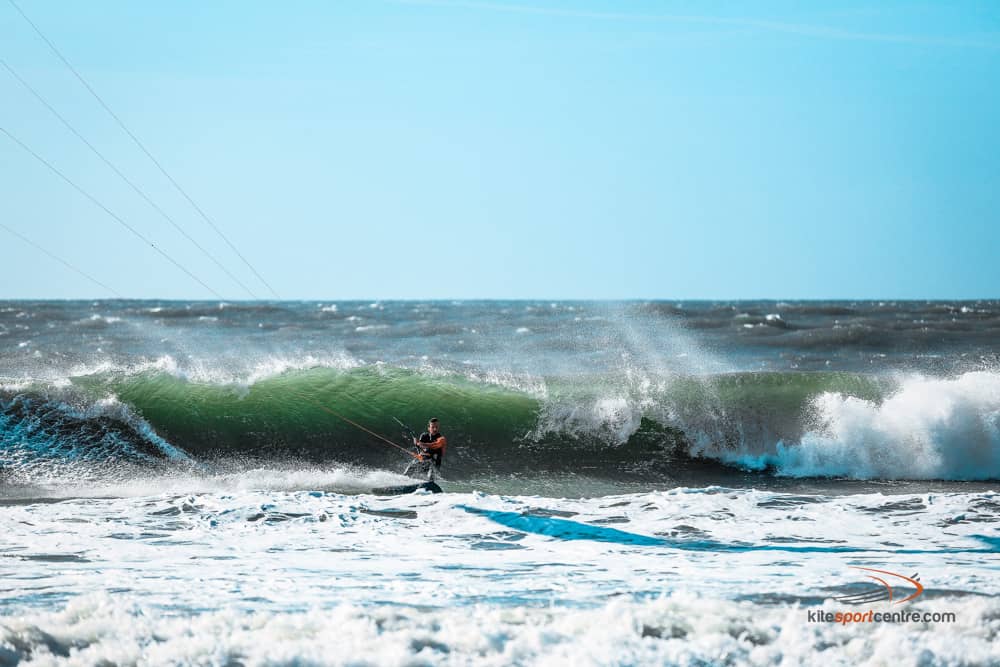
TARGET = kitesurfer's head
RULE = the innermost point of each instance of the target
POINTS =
(432, 426)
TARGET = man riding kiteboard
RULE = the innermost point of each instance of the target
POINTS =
(431, 446)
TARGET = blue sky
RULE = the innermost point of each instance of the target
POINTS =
(366, 149)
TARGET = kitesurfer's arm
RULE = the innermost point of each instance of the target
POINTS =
(440, 443)
(435, 446)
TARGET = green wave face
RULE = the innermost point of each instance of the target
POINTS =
(292, 413)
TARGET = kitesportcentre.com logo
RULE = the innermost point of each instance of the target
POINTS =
(886, 589)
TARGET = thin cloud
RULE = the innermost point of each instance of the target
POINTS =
(805, 30)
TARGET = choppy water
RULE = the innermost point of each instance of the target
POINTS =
(663, 483)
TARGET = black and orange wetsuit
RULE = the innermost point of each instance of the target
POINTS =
(432, 447)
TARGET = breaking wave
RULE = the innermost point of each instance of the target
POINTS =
(798, 424)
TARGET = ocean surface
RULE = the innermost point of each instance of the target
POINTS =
(625, 483)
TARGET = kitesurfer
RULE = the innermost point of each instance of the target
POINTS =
(431, 446)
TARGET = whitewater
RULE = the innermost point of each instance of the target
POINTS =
(626, 483)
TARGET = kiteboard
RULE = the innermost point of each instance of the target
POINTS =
(407, 488)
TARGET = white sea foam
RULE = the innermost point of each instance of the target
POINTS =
(682, 629)
(930, 428)
(523, 383)
(77, 481)
(265, 577)
(243, 372)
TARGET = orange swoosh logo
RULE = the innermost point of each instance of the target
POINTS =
(919, 587)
